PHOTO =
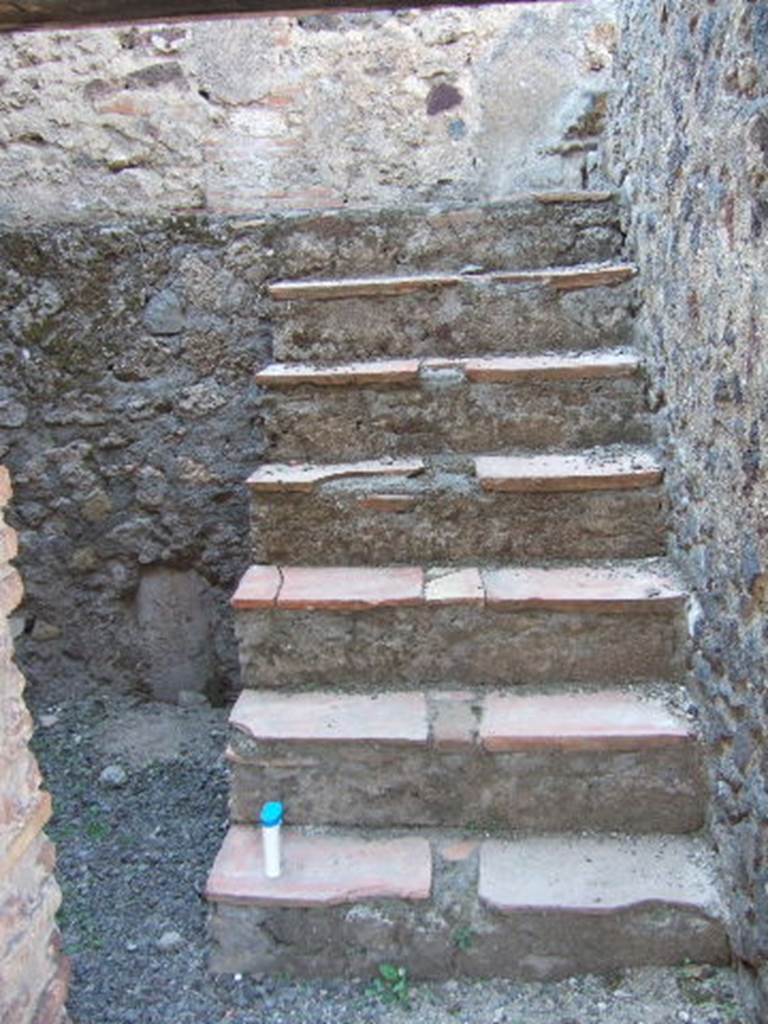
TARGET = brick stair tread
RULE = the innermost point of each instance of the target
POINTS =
(581, 471)
(583, 275)
(612, 588)
(305, 477)
(320, 870)
(605, 363)
(496, 722)
(394, 718)
(557, 873)
(594, 469)
(597, 874)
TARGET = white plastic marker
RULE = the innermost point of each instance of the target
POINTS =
(271, 820)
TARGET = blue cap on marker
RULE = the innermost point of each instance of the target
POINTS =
(272, 814)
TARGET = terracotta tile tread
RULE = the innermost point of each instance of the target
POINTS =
(602, 364)
(384, 371)
(579, 589)
(607, 720)
(582, 472)
(583, 275)
(392, 718)
(320, 871)
(306, 476)
(597, 875)
(349, 589)
(594, 875)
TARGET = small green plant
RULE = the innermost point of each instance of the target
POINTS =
(391, 986)
(463, 938)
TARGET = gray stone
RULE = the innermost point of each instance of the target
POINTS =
(174, 615)
(170, 942)
(454, 647)
(113, 776)
(335, 424)
(12, 412)
(451, 521)
(163, 314)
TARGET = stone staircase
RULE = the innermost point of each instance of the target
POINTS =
(462, 650)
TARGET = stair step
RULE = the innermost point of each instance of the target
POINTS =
(337, 588)
(320, 871)
(564, 309)
(552, 227)
(605, 759)
(443, 404)
(599, 503)
(581, 472)
(529, 909)
(404, 626)
(585, 275)
(605, 364)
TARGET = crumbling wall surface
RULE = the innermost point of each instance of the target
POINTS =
(33, 974)
(130, 422)
(233, 116)
(690, 147)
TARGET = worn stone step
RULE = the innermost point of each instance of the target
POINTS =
(440, 404)
(551, 228)
(603, 503)
(602, 760)
(574, 308)
(447, 906)
(392, 627)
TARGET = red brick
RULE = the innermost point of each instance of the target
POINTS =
(306, 476)
(608, 720)
(320, 871)
(579, 366)
(258, 588)
(9, 543)
(11, 590)
(458, 850)
(385, 502)
(580, 472)
(454, 586)
(382, 371)
(350, 589)
(580, 589)
(392, 718)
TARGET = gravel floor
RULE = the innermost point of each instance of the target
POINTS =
(133, 857)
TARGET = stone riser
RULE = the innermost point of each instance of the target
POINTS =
(458, 931)
(332, 525)
(354, 942)
(455, 646)
(519, 232)
(468, 319)
(646, 790)
(444, 416)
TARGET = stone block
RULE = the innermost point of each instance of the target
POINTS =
(174, 615)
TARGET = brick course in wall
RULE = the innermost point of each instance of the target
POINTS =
(690, 148)
(33, 973)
